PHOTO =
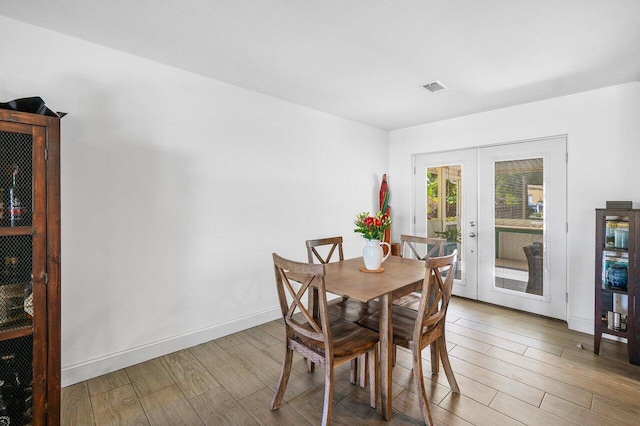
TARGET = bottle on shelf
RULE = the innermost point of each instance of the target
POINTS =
(15, 208)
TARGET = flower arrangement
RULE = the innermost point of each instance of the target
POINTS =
(372, 227)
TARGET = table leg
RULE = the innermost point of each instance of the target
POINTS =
(386, 354)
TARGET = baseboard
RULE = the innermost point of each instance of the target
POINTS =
(580, 324)
(76, 373)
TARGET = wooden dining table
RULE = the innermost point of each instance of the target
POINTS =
(400, 277)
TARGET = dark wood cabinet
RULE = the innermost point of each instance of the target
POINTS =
(29, 268)
(617, 278)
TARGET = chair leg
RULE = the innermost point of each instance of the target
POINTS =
(353, 376)
(373, 376)
(328, 393)
(284, 379)
(435, 362)
(362, 370)
(422, 393)
(447, 365)
(358, 374)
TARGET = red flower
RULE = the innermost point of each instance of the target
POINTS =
(372, 227)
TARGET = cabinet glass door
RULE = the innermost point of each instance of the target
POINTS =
(22, 295)
(615, 274)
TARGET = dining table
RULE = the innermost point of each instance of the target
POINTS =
(397, 277)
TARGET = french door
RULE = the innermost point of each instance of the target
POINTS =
(504, 209)
(446, 206)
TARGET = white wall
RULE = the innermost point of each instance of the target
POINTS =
(176, 189)
(604, 147)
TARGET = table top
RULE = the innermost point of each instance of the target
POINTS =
(400, 276)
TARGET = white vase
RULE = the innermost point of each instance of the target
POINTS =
(372, 254)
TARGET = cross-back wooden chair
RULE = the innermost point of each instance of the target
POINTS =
(323, 341)
(348, 309)
(312, 249)
(416, 330)
(432, 246)
(345, 308)
(422, 248)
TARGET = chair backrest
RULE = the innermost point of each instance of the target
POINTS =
(432, 246)
(309, 276)
(313, 254)
(436, 293)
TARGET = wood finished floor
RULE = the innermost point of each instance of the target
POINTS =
(512, 368)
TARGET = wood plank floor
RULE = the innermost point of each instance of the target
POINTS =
(512, 368)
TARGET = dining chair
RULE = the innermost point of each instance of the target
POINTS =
(422, 248)
(322, 250)
(416, 330)
(324, 341)
(345, 308)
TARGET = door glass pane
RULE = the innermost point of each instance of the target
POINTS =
(519, 225)
(444, 207)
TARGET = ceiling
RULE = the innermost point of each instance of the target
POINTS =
(367, 60)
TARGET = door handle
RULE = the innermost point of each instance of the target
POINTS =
(472, 234)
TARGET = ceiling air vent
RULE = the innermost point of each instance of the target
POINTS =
(435, 87)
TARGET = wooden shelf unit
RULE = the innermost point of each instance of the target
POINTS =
(605, 295)
(30, 258)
